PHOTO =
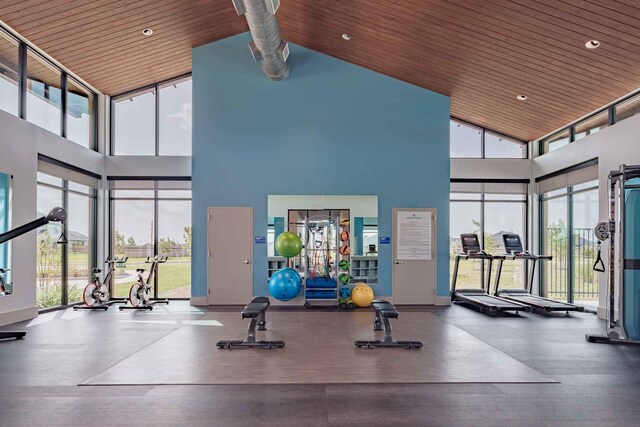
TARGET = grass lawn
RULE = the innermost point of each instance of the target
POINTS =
(174, 277)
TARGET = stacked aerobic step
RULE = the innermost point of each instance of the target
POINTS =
(320, 288)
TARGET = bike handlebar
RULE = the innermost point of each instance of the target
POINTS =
(121, 259)
(160, 260)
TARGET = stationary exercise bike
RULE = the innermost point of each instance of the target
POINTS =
(96, 294)
(140, 292)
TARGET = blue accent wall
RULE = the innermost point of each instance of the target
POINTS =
(331, 128)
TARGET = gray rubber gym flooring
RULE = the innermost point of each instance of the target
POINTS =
(598, 385)
(319, 350)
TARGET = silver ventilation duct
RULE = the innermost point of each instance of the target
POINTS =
(267, 46)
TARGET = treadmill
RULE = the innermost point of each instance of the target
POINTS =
(515, 251)
(480, 298)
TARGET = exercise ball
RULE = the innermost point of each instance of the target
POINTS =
(362, 295)
(288, 244)
(285, 284)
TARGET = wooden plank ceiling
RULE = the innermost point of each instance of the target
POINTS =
(482, 53)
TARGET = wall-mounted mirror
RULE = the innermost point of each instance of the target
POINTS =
(6, 284)
(340, 242)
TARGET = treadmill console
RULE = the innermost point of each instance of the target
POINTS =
(512, 243)
(470, 243)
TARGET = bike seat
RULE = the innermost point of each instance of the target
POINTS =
(140, 270)
(96, 270)
(2, 270)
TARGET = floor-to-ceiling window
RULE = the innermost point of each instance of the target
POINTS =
(151, 218)
(489, 210)
(63, 270)
(568, 217)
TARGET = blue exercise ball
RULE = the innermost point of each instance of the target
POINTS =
(285, 284)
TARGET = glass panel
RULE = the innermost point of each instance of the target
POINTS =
(49, 253)
(501, 147)
(585, 216)
(556, 245)
(465, 141)
(133, 194)
(79, 228)
(9, 59)
(174, 241)
(466, 196)
(555, 193)
(135, 125)
(79, 188)
(175, 119)
(464, 218)
(556, 141)
(501, 197)
(174, 194)
(628, 108)
(501, 218)
(592, 125)
(44, 97)
(591, 184)
(79, 114)
(48, 179)
(133, 236)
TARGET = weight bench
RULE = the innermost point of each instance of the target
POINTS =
(384, 311)
(255, 311)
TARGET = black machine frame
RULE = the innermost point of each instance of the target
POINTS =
(480, 298)
(514, 250)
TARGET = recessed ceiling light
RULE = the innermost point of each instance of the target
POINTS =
(521, 97)
(346, 36)
(147, 31)
(592, 44)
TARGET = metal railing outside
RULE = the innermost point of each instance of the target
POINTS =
(585, 280)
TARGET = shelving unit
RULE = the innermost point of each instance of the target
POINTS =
(275, 263)
(364, 268)
(321, 283)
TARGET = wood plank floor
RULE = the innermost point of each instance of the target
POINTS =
(599, 384)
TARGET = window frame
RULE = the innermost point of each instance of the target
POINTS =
(155, 199)
(24, 49)
(155, 88)
(610, 109)
(568, 195)
(483, 152)
(482, 202)
(93, 229)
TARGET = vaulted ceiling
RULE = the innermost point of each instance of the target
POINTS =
(482, 53)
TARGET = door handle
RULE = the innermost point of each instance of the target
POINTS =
(246, 261)
(398, 261)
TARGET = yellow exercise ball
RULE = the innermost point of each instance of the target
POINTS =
(362, 295)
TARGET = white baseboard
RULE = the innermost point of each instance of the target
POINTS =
(18, 316)
(602, 313)
(443, 301)
(199, 301)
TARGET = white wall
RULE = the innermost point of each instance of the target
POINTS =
(491, 168)
(20, 143)
(147, 166)
(613, 146)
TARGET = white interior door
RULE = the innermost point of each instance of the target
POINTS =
(414, 256)
(230, 264)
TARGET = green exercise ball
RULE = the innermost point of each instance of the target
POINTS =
(288, 244)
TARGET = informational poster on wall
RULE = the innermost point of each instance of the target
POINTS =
(413, 236)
